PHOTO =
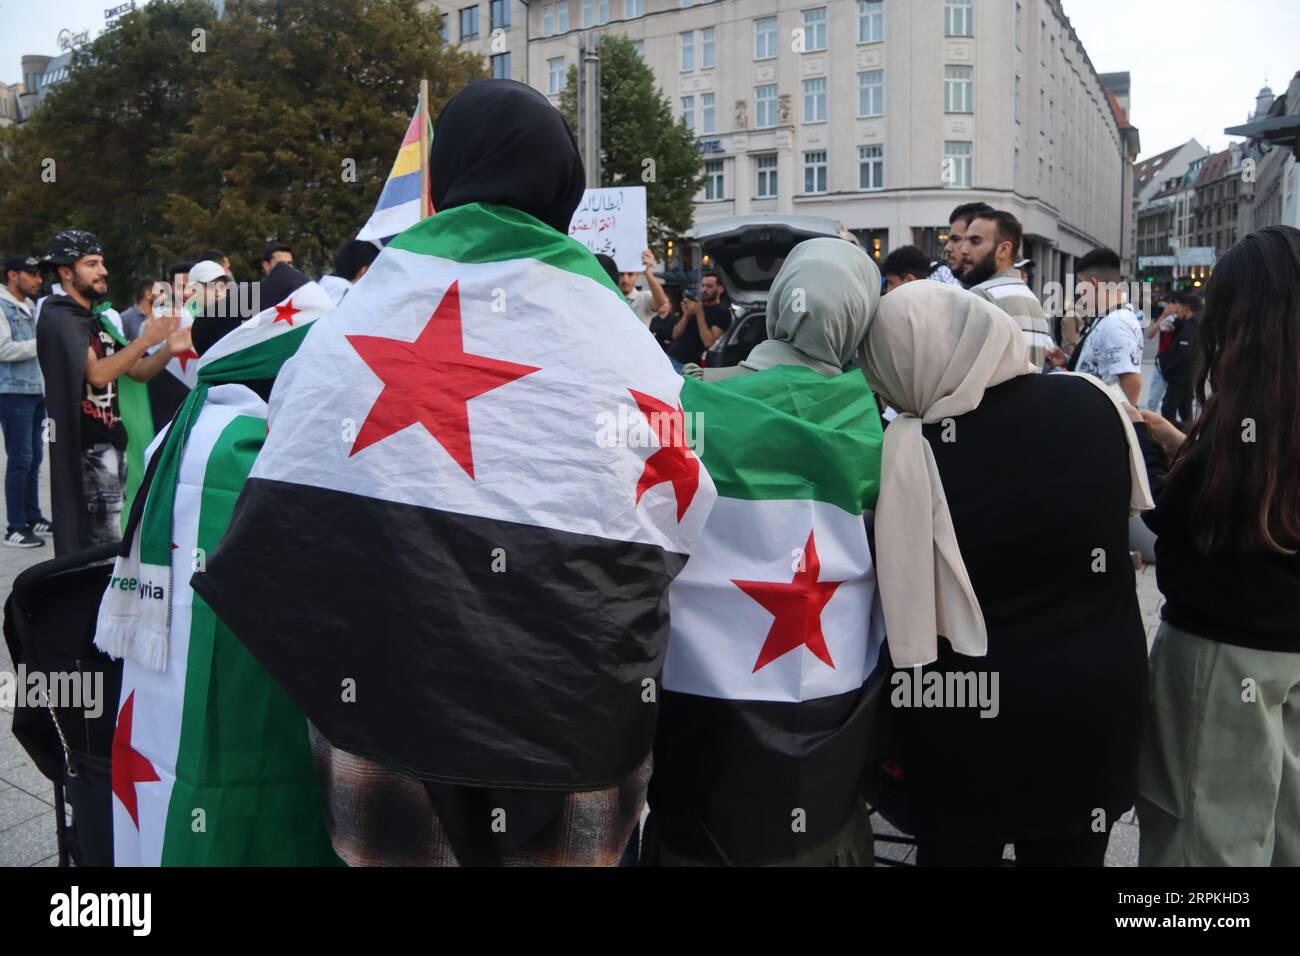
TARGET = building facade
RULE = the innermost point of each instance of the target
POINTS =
(882, 114)
(1270, 183)
(496, 30)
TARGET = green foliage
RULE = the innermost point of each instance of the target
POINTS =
(163, 151)
(636, 124)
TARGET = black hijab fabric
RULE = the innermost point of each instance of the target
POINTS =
(498, 141)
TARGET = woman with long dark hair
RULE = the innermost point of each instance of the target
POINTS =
(1219, 779)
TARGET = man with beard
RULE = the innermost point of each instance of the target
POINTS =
(82, 355)
(703, 321)
(988, 256)
(950, 269)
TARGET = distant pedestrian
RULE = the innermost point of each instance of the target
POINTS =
(22, 404)
(1177, 363)
(1219, 776)
(989, 252)
(146, 290)
(274, 253)
(352, 260)
(217, 256)
(649, 303)
(905, 264)
(1111, 349)
(704, 319)
(949, 271)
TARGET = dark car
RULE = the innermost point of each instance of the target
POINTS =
(747, 252)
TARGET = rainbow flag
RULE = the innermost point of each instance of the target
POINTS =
(405, 198)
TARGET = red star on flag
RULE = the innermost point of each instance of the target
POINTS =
(186, 357)
(673, 462)
(285, 313)
(797, 607)
(430, 381)
(129, 765)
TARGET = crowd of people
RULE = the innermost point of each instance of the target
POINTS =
(999, 542)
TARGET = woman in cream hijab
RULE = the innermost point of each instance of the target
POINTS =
(818, 310)
(1009, 594)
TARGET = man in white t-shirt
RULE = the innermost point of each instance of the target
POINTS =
(1112, 348)
(649, 303)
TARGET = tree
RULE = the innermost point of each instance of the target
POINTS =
(636, 126)
(299, 120)
(168, 141)
(85, 159)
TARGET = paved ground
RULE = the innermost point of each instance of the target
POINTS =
(27, 798)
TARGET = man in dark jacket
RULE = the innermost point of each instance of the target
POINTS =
(1178, 362)
(82, 355)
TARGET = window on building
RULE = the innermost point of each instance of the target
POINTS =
(814, 100)
(499, 13)
(602, 11)
(765, 38)
(1019, 20)
(688, 112)
(765, 106)
(501, 66)
(714, 181)
(588, 13)
(706, 48)
(814, 29)
(469, 22)
(562, 16)
(765, 170)
(633, 8)
(442, 26)
(871, 21)
(688, 50)
(1042, 42)
(958, 18)
(871, 93)
(956, 165)
(708, 123)
(1015, 169)
(871, 167)
(814, 171)
(555, 75)
(1015, 99)
(958, 83)
(639, 46)
(548, 20)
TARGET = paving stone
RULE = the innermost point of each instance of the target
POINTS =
(17, 807)
(26, 777)
(29, 842)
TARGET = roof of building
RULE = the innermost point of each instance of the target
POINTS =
(1120, 117)
(1216, 167)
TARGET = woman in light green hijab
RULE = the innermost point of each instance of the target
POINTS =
(818, 311)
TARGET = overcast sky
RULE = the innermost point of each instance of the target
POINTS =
(1196, 64)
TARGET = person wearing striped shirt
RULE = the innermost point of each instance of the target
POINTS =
(988, 256)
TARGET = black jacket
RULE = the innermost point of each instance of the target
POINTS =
(1178, 362)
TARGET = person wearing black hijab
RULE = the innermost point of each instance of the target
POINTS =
(498, 141)
(495, 142)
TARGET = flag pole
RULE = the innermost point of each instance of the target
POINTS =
(424, 149)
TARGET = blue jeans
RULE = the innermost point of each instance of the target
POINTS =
(1156, 395)
(20, 419)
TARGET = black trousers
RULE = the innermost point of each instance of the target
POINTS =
(1088, 849)
(1177, 405)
